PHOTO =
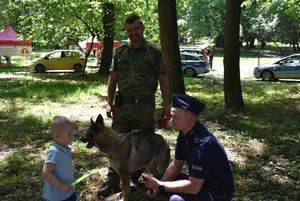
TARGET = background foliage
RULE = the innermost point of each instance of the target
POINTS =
(53, 23)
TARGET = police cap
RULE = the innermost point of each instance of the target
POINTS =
(188, 103)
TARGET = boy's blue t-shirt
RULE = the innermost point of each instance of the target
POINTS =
(63, 170)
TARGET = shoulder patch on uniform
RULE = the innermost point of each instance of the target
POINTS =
(152, 46)
(196, 140)
(122, 47)
(195, 167)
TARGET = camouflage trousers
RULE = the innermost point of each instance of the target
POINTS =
(134, 116)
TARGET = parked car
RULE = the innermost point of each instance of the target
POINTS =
(59, 60)
(93, 61)
(193, 64)
(194, 51)
(286, 68)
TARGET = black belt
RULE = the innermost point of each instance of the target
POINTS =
(137, 100)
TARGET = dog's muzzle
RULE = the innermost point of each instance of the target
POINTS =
(86, 139)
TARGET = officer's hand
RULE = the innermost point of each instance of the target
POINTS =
(150, 181)
(109, 111)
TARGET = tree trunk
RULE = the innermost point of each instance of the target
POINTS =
(108, 29)
(86, 55)
(169, 44)
(232, 81)
(220, 41)
(251, 44)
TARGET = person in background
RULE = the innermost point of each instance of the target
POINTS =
(58, 170)
(136, 70)
(210, 55)
(209, 171)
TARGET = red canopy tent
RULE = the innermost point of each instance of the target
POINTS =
(10, 45)
(96, 44)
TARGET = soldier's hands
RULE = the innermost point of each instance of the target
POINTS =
(109, 111)
(165, 116)
(166, 111)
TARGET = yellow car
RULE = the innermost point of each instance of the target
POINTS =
(59, 60)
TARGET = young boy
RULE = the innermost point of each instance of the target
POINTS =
(58, 170)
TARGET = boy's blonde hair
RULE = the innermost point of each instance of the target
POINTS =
(60, 123)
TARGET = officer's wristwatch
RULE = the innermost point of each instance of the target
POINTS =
(161, 188)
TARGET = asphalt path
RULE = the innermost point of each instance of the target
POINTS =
(216, 73)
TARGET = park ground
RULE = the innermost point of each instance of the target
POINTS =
(262, 140)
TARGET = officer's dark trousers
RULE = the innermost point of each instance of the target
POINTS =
(205, 194)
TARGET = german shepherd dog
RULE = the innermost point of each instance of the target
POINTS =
(129, 152)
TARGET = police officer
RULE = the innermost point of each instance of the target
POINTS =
(209, 172)
(136, 69)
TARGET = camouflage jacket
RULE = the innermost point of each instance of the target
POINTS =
(138, 70)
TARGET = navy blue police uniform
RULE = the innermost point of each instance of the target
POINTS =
(204, 155)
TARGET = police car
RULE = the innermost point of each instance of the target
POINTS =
(286, 68)
(193, 64)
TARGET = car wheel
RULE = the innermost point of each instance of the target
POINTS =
(190, 72)
(77, 68)
(267, 75)
(40, 68)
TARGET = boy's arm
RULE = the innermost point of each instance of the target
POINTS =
(52, 179)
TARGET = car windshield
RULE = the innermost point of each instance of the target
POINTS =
(188, 57)
(292, 59)
(199, 52)
(194, 57)
(54, 55)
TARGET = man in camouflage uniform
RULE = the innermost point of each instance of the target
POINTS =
(137, 68)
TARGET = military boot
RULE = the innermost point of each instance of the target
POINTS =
(112, 185)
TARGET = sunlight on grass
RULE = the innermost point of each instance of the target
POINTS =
(262, 140)
(243, 146)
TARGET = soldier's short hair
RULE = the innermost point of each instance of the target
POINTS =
(132, 18)
(60, 123)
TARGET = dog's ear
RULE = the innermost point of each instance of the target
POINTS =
(92, 122)
(100, 121)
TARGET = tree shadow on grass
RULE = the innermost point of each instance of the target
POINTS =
(270, 119)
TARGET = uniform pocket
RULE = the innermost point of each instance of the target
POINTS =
(123, 65)
(218, 196)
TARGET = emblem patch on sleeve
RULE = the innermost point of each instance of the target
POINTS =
(195, 167)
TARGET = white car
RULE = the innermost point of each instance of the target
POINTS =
(193, 64)
(286, 68)
(199, 52)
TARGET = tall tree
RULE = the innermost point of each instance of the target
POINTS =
(204, 19)
(170, 45)
(232, 81)
(108, 21)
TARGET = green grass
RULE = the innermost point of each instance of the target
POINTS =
(262, 140)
